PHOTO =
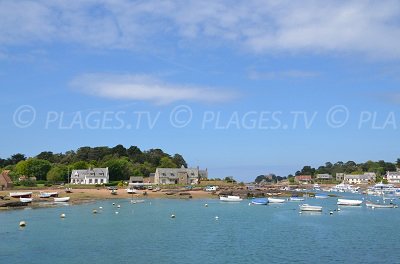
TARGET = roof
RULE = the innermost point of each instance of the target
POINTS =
(303, 177)
(95, 172)
(324, 175)
(136, 178)
(5, 176)
(358, 177)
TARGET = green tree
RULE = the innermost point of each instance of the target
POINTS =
(33, 168)
(80, 165)
(119, 169)
(58, 173)
(166, 162)
(179, 160)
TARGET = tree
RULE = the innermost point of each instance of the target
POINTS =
(16, 158)
(80, 165)
(179, 160)
(119, 169)
(46, 155)
(58, 173)
(119, 151)
(33, 168)
(134, 154)
(166, 162)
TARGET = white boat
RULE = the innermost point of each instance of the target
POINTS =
(276, 200)
(48, 194)
(230, 198)
(379, 205)
(312, 208)
(21, 194)
(259, 201)
(136, 201)
(296, 199)
(321, 196)
(61, 199)
(131, 190)
(25, 200)
(349, 202)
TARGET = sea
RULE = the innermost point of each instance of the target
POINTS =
(202, 231)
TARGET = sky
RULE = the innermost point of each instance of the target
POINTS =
(241, 88)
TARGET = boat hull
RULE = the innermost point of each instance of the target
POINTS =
(25, 200)
(21, 194)
(276, 200)
(375, 205)
(310, 208)
(259, 201)
(61, 199)
(230, 198)
(348, 202)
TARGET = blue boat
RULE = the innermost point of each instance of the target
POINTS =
(259, 201)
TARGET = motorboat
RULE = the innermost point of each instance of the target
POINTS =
(230, 198)
(61, 199)
(349, 202)
(21, 194)
(25, 200)
(321, 196)
(379, 205)
(296, 199)
(260, 201)
(276, 200)
(311, 208)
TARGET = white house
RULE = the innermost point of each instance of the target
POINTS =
(365, 178)
(90, 176)
(393, 176)
(180, 175)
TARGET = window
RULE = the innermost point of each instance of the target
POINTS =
(163, 174)
(90, 181)
(95, 181)
(101, 181)
(172, 174)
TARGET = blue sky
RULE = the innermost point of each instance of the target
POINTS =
(243, 89)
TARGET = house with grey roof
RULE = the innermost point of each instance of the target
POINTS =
(90, 176)
(324, 176)
(365, 178)
(180, 175)
(393, 176)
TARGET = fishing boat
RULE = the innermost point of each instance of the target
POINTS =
(61, 199)
(230, 198)
(276, 200)
(349, 202)
(321, 196)
(260, 201)
(21, 194)
(379, 205)
(25, 200)
(311, 208)
(296, 199)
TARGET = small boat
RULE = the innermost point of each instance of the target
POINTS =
(68, 190)
(137, 201)
(259, 201)
(113, 192)
(61, 199)
(349, 202)
(21, 194)
(25, 200)
(131, 190)
(321, 196)
(311, 208)
(276, 200)
(48, 194)
(296, 199)
(230, 198)
(379, 205)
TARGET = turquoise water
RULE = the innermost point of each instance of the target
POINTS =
(145, 233)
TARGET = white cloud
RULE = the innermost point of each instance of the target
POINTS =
(366, 27)
(271, 75)
(145, 88)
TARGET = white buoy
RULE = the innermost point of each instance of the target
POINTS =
(249, 204)
(113, 203)
(94, 211)
(216, 218)
(116, 212)
(331, 213)
(206, 205)
(62, 215)
(118, 206)
(338, 209)
(172, 216)
(22, 224)
(300, 212)
(100, 207)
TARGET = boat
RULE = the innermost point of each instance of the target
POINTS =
(379, 205)
(21, 194)
(311, 208)
(48, 194)
(113, 192)
(296, 199)
(25, 200)
(137, 201)
(349, 202)
(230, 198)
(276, 200)
(321, 196)
(131, 190)
(68, 190)
(61, 199)
(260, 201)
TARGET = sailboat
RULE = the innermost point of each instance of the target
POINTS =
(68, 189)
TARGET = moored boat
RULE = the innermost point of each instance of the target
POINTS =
(21, 194)
(321, 196)
(379, 205)
(48, 194)
(61, 199)
(259, 201)
(25, 200)
(230, 198)
(349, 202)
(296, 199)
(276, 200)
(311, 208)
(131, 190)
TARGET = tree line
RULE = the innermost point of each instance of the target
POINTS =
(122, 162)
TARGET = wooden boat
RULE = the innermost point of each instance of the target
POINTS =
(379, 205)
(311, 208)
(61, 199)
(260, 201)
(230, 198)
(349, 202)
(276, 200)
(25, 200)
(21, 194)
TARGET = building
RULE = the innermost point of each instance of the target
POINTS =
(90, 176)
(393, 176)
(180, 175)
(5, 180)
(136, 179)
(365, 178)
(324, 176)
(304, 179)
(340, 176)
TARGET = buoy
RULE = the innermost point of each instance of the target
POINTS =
(206, 205)
(300, 212)
(116, 212)
(331, 213)
(216, 218)
(172, 216)
(249, 204)
(22, 224)
(94, 211)
(113, 203)
(338, 209)
(100, 207)
(118, 206)
(62, 215)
